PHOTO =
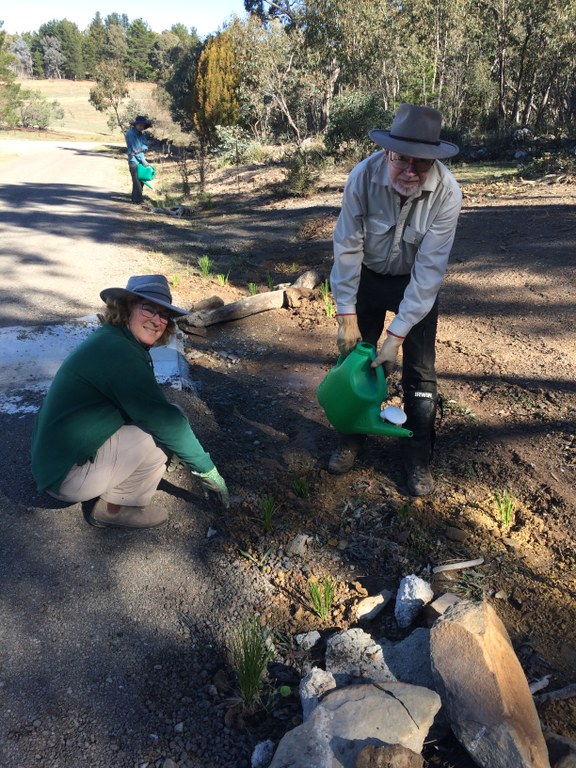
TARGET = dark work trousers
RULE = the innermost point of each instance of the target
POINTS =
(378, 294)
(136, 183)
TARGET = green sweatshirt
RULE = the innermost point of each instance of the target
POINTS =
(107, 382)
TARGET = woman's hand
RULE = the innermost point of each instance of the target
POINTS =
(214, 487)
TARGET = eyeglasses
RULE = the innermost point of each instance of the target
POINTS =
(150, 311)
(419, 165)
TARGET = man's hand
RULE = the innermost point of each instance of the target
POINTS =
(145, 163)
(348, 333)
(214, 487)
(388, 353)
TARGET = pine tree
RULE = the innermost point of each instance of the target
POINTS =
(214, 97)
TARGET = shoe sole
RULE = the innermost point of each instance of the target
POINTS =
(105, 524)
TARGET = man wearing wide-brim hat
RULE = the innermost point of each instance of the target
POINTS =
(137, 146)
(391, 247)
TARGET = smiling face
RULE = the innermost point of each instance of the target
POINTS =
(407, 174)
(147, 322)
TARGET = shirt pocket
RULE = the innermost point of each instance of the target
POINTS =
(377, 234)
(412, 236)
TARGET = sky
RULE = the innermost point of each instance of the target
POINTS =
(205, 15)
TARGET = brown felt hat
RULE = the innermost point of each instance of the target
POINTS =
(415, 131)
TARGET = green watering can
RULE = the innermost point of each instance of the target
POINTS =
(352, 392)
(146, 173)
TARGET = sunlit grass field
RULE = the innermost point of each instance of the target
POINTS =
(81, 121)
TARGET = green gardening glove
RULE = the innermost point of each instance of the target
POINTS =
(214, 486)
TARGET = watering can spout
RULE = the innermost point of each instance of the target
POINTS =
(352, 393)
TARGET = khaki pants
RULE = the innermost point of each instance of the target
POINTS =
(126, 470)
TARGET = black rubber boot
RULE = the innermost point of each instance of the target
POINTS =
(421, 411)
(343, 458)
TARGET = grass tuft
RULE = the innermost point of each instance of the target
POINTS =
(250, 655)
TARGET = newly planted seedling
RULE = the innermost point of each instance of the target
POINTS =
(252, 289)
(222, 279)
(506, 507)
(300, 486)
(250, 655)
(205, 266)
(321, 597)
(269, 509)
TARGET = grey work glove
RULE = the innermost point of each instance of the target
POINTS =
(348, 333)
(214, 487)
(145, 163)
(388, 353)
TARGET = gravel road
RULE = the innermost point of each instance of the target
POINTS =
(108, 640)
(61, 212)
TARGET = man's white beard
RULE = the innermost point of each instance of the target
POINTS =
(407, 190)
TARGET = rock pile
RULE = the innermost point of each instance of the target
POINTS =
(376, 703)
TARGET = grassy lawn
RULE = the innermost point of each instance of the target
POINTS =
(81, 121)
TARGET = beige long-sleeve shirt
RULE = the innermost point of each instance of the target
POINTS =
(415, 239)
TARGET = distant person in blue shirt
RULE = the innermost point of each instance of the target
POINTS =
(137, 146)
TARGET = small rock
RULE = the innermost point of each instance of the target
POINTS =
(220, 680)
(371, 606)
(211, 532)
(262, 754)
(312, 687)
(501, 595)
(413, 594)
(438, 607)
(169, 763)
(179, 728)
(299, 544)
(456, 534)
(307, 640)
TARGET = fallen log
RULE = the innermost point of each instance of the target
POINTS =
(251, 305)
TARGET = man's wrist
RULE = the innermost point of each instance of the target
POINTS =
(395, 335)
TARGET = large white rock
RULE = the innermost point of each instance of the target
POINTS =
(484, 690)
(413, 594)
(349, 719)
(409, 660)
(353, 654)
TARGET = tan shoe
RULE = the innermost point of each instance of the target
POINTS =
(126, 517)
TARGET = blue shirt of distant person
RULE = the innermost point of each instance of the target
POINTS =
(137, 146)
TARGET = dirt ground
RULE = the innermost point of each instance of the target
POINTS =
(506, 363)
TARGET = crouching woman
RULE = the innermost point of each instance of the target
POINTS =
(105, 429)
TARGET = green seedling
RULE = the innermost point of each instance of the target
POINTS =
(205, 266)
(261, 562)
(321, 597)
(222, 279)
(175, 280)
(250, 655)
(506, 507)
(269, 509)
(301, 488)
(325, 290)
(269, 281)
(252, 289)
(330, 308)
(404, 513)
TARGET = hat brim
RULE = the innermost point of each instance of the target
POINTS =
(438, 151)
(123, 293)
(145, 123)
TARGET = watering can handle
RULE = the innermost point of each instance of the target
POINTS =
(379, 371)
